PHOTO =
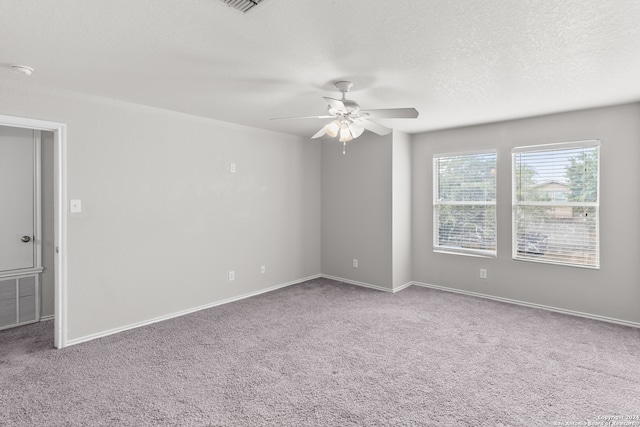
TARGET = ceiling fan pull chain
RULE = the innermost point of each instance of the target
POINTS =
(344, 147)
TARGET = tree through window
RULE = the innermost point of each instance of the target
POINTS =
(556, 203)
(464, 203)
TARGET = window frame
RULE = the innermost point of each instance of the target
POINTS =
(584, 144)
(437, 248)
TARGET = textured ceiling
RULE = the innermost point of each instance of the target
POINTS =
(458, 62)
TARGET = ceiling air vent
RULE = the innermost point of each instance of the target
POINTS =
(241, 5)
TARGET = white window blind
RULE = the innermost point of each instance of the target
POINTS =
(464, 203)
(556, 203)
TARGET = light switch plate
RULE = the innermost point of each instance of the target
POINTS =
(75, 206)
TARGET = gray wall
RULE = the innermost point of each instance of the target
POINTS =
(366, 210)
(47, 278)
(163, 220)
(613, 290)
(357, 210)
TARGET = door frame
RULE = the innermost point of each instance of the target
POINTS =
(60, 215)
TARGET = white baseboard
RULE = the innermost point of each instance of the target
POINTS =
(367, 285)
(532, 305)
(399, 288)
(45, 318)
(340, 279)
(184, 312)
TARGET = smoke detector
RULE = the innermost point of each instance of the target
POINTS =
(241, 5)
(22, 70)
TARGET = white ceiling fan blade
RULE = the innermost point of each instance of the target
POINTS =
(373, 126)
(390, 113)
(336, 104)
(304, 117)
(320, 133)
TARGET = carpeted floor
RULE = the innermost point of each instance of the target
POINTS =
(324, 353)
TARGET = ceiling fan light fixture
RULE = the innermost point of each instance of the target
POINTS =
(345, 133)
(356, 129)
(332, 128)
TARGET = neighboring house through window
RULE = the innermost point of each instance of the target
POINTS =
(556, 203)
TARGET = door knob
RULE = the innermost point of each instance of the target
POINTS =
(26, 239)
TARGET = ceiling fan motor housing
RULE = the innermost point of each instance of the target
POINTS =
(351, 107)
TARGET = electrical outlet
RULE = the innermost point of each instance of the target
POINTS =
(232, 167)
(263, 269)
(355, 263)
(232, 276)
(483, 273)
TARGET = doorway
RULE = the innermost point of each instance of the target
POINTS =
(21, 237)
(55, 138)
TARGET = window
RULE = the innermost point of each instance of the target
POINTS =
(556, 203)
(464, 203)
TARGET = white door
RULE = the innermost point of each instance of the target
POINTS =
(18, 148)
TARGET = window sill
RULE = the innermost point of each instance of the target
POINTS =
(561, 264)
(486, 254)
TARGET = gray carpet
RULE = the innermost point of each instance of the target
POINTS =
(324, 353)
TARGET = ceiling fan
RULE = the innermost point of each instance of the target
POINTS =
(349, 121)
